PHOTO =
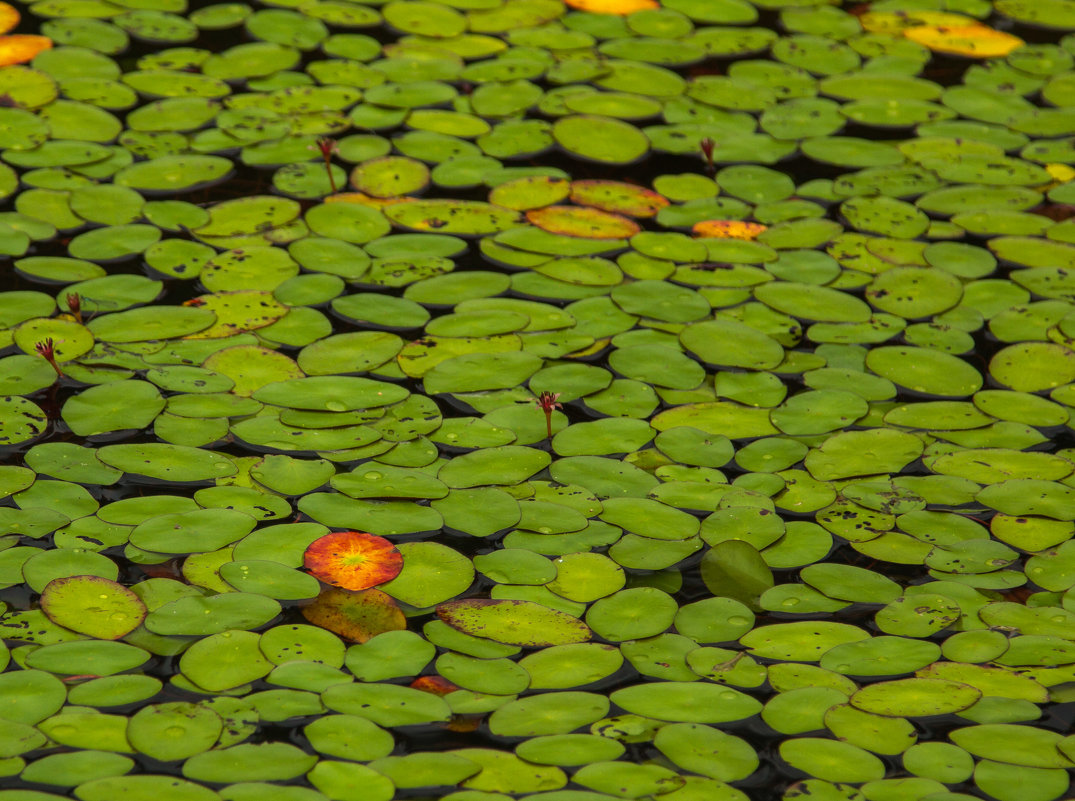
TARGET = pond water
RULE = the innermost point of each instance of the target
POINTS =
(491, 399)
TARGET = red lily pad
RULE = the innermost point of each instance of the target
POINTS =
(618, 197)
(440, 686)
(355, 616)
(583, 221)
(437, 685)
(353, 560)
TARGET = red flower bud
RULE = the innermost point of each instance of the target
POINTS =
(46, 350)
(546, 401)
(74, 305)
(707, 146)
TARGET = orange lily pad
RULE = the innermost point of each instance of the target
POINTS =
(355, 616)
(618, 197)
(440, 686)
(437, 685)
(9, 17)
(976, 41)
(583, 221)
(18, 48)
(612, 6)
(727, 229)
(353, 560)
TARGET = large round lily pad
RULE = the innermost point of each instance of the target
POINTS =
(353, 560)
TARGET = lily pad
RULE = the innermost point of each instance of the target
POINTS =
(353, 560)
(92, 605)
(514, 622)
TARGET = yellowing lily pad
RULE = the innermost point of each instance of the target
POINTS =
(353, 560)
(9, 17)
(621, 7)
(896, 21)
(235, 312)
(976, 41)
(727, 229)
(514, 622)
(92, 605)
(356, 616)
(362, 199)
(582, 221)
(618, 197)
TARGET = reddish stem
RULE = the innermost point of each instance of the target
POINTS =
(328, 147)
(546, 401)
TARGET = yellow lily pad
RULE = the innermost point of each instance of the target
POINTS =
(976, 41)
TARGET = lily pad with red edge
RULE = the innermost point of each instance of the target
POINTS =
(356, 616)
(618, 197)
(236, 312)
(582, 221)
(92, 605)
(353, 560)
(514, 622)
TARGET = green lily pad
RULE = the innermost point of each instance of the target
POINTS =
(249, 762)
(167, 462)
(504, 465)
(548, 714)
(224, 661)
(1020, 745)
(831, 760)
(686, 702)
(92, 605)
(915, 697)
(800, 641)
(706, 750)
(174, 730)
(603, 139)
(513, 622)
(463, 218)
(102, 658)
(431, 573)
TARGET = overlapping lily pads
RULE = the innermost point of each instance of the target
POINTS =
(628, 396)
